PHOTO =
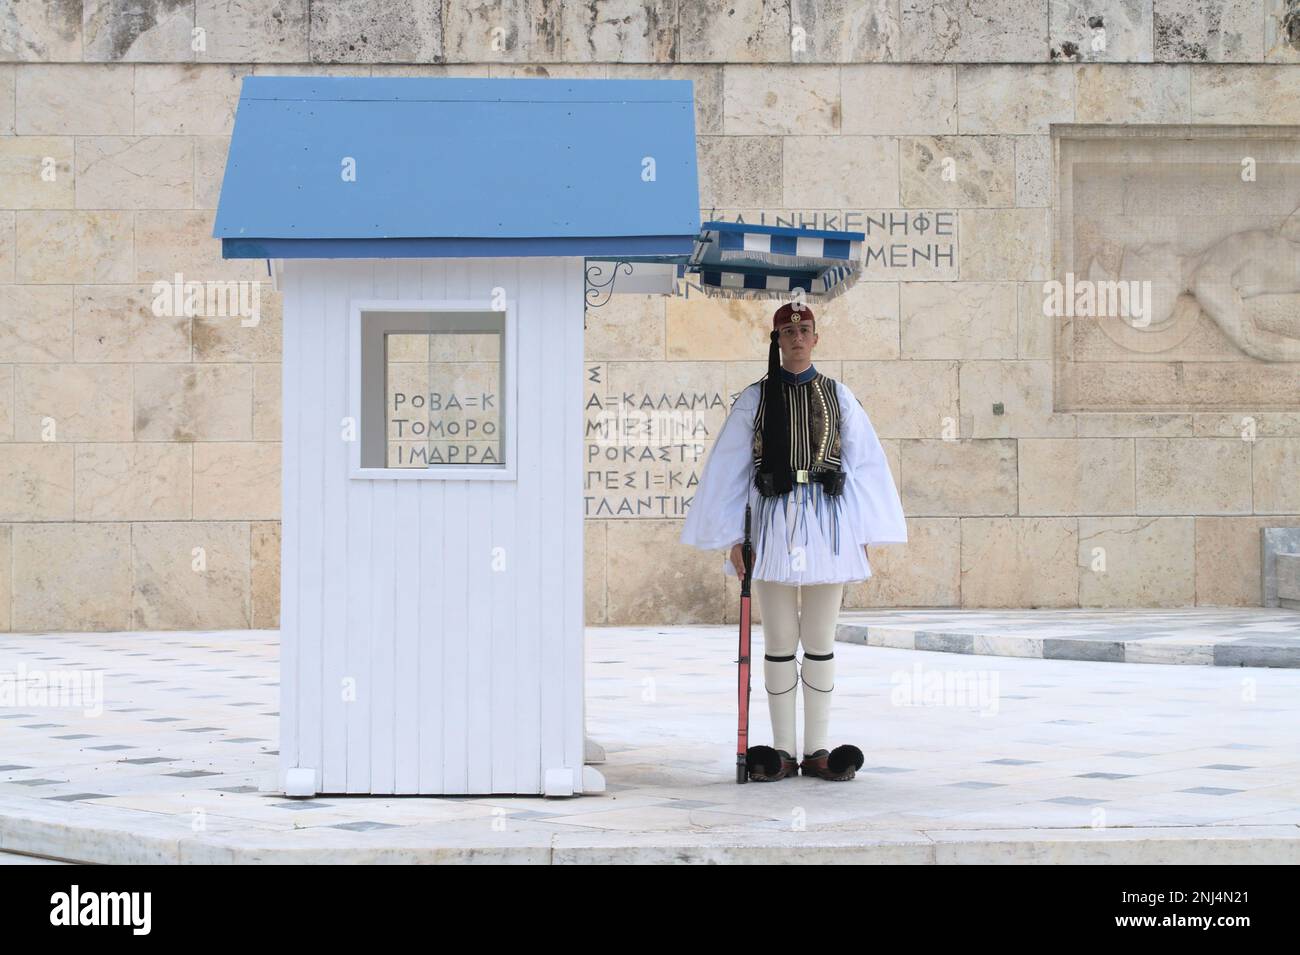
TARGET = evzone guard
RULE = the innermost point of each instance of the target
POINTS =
(798, 450)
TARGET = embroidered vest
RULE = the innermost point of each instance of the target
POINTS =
(814, 411)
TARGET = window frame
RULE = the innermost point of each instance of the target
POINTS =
(359, 308)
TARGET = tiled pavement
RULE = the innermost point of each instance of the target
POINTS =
(1207, 636)
(969, 759)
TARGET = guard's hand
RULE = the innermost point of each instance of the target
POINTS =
(738, 561)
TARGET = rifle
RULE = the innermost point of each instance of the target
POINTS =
(742, 730)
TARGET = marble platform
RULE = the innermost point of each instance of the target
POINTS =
(1206, 636)
(969, 760)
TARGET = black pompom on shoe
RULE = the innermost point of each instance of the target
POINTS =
(763, 759)
(766, 764)
(842, 758)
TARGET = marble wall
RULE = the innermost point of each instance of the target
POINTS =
(139, 453)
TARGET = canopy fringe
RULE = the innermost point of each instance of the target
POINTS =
(714, 291)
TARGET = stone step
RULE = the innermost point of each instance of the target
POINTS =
(1148, 845)
(1248, 637)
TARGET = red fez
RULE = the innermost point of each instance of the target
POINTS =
(792, 312)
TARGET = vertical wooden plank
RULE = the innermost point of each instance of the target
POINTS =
(571, 412)
(360, 285)
(311, 507)
(383, 533)
(458, 533)
(503, 581)
(333, 408)
(555, 430)
(481, 276)
(406, 617)
(290, 521)
(433, 611)
(558, 681)
(535, 371)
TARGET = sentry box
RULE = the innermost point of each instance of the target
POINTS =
(437, 242)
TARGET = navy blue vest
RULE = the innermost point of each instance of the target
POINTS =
(812, 403)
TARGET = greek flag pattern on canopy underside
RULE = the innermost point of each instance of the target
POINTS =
(740, 261)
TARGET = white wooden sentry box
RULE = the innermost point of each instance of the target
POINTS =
(432, 617)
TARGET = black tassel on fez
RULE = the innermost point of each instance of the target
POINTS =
(776, 425)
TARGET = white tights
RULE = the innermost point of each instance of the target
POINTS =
(785, 626)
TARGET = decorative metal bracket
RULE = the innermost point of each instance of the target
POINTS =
(594, 288)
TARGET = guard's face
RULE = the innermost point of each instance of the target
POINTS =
(797, 340)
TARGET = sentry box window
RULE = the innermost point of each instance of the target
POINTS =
(433, 391)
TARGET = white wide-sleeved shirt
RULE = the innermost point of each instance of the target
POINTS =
(796, 535)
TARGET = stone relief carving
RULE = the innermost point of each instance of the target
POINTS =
(1176, 268)
(1221, 280)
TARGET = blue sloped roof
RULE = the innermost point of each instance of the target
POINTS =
(455, 167)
